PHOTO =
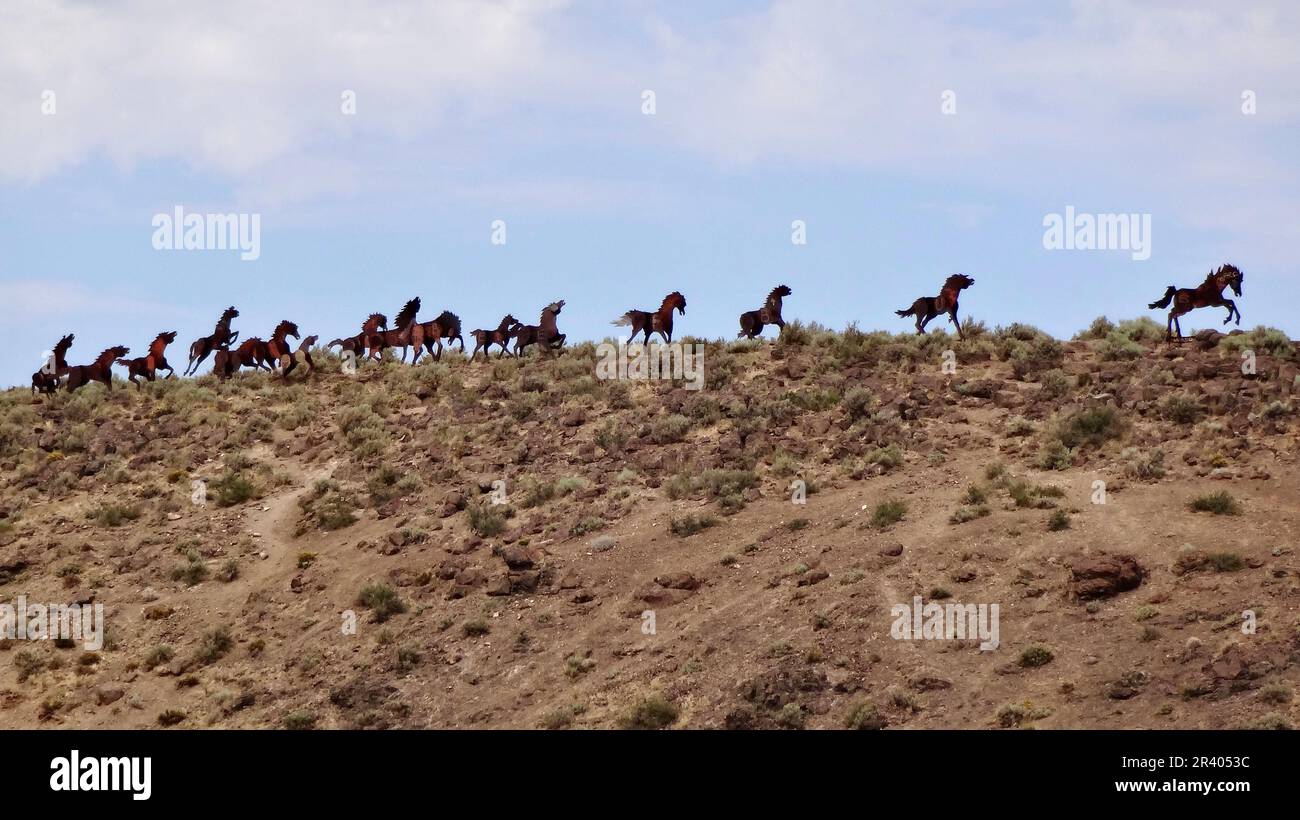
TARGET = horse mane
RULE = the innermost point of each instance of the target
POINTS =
(671, 298)
(1225, 268)
(284, 328)
(226, 315)
(112, 353)
(168, 336)
(777, 292)
(63, 345)
(377, 318)
(407, 314)
(552, 309)
(448, 319)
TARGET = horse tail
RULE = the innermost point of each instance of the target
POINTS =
(1164, 302)
(123, 362)
(907, 312)
(624, 320)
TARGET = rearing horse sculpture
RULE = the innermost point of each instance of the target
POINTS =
(661, 321)
(221, 337)
(546, 333)
(46, 380)
(405, 332)
(1208, 294)
(278, 346)
(153, 361)
(752, 322)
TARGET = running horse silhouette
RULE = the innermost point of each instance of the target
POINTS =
(545, 333)
(101, 370)
(357, 345)
(928, 307)
(752, 322)
(1208, 294)
(221, 337)
(446, 326)
(661, 321)
(406, 332)
(45, 381)
(149, 364)
(484, 339)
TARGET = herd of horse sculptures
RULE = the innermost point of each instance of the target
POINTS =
(276, 355)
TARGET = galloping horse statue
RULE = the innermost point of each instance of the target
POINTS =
(221, 337)
(752, 322)
(250, 353)
(46, 381)
(484, 339)
(661, 321)
(928, 307)
(101, 370)
(446, 326)
(155, 360)
(357, 345)
(1208, 294)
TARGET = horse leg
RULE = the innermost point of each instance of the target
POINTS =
(952, 317)
(1232, 308)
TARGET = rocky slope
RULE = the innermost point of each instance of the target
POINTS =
(328, 552)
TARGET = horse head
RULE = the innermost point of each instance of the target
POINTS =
(374, 322)
(958, 281)
(160, 342)
(1230, 275)
(777, 293)
(407, 314)
(449, 322)
(285, 328)
(308, 342)
(508, 323)
(228, 314)
(673, 300)
(62, 347)
(107, 357)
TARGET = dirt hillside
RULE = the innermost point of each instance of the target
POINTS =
(327, 553)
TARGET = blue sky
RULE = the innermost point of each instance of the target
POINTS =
(530, 112)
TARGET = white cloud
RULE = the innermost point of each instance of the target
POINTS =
(1133, 101)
